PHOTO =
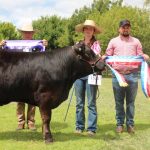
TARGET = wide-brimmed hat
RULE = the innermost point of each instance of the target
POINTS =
(79, 27)
(26, 28)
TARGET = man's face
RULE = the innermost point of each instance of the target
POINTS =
(27, 35)
(125, 30)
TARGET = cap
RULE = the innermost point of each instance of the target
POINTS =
(124, 22)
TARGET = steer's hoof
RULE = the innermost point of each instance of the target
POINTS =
(49, 141)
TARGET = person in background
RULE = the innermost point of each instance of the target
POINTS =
(2, 43)
(89, 29)
(27, 33)
(125, 45)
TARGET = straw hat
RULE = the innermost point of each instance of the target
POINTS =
(79, 27)
(26, 28)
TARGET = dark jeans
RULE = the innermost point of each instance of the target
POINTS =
(129, 92)
(81, 85)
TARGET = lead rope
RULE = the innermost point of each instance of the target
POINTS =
(95, 74)
(69, 105)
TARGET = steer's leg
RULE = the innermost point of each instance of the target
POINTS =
(46, 117)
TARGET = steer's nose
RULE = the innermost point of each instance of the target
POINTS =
(100, 65)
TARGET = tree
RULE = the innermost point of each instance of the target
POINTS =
(101, 5)
(105, 5)
(8, 31)
(146, 2)
(147, 5)
(53, 29)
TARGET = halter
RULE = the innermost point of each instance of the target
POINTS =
(92, 64)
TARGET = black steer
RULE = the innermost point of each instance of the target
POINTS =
(44, 79)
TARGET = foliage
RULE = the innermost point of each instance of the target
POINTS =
(141, 30)
(7, 31)
(51, 28)
(105, 5)
(146, 2)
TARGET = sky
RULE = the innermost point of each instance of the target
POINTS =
(24, 11)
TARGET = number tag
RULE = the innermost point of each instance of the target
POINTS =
(94, 79)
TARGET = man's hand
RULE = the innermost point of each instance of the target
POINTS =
(2, 43)
(45, 42)
(103, 57)
(146, 57)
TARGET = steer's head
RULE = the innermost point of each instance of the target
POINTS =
(87, 55)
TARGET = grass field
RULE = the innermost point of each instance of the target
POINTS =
(63, 132)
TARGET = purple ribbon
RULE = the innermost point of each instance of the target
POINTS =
(24, 45)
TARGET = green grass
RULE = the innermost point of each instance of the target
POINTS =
(63, 132)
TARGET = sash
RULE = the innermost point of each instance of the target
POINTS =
(131, 61)
(24, 45)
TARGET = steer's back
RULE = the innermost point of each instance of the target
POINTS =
(22, 75)
(17, 74)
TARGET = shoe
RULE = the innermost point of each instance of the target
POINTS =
(31, 127)
(119, 129)
(78, 131)
(20, 127)
(130, 129)
(91, 133)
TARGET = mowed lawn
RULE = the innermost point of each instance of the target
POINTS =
(63, 132)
